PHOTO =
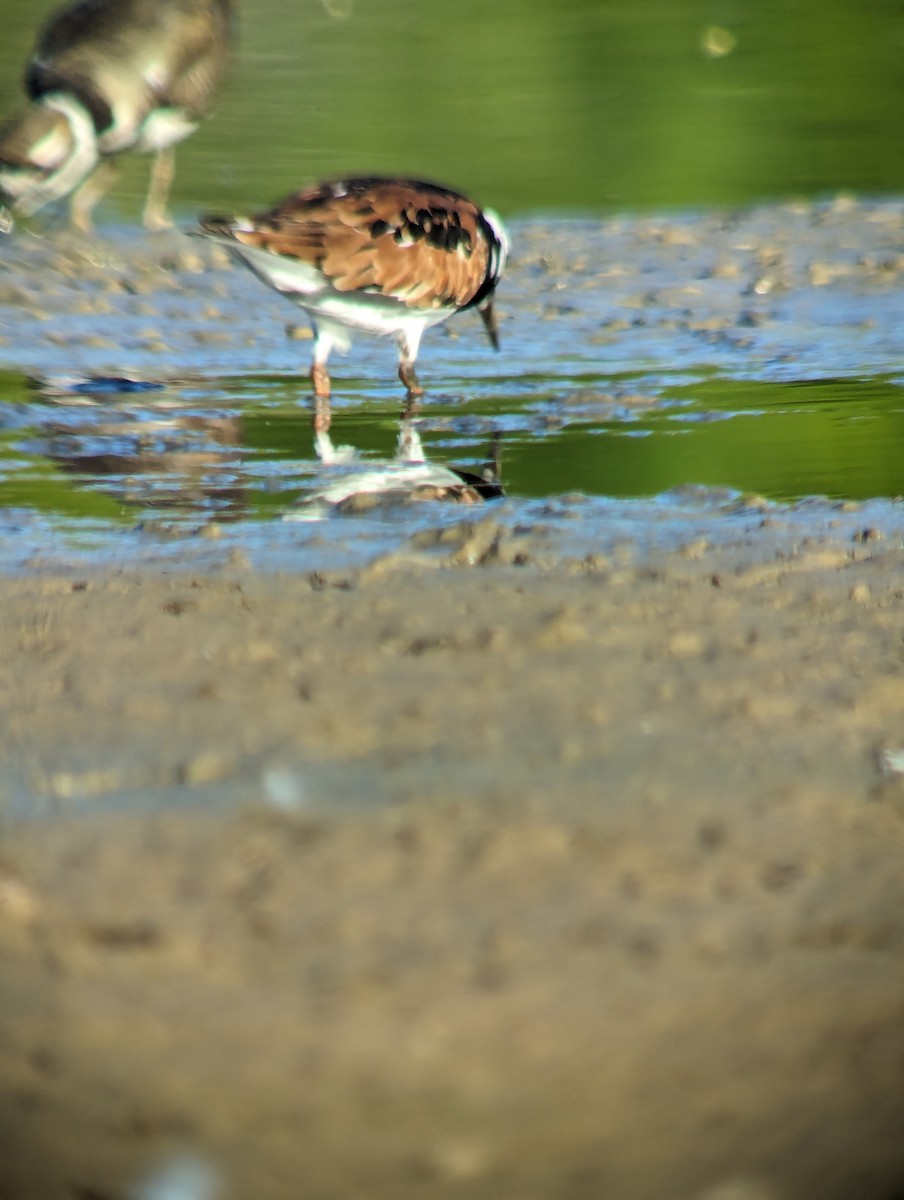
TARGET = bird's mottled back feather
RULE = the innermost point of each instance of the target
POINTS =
(423, 244)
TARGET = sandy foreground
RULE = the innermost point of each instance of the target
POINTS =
(566, 880)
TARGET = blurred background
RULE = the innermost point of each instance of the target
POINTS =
(539, 106)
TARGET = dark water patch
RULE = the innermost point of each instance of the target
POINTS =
(785, 440)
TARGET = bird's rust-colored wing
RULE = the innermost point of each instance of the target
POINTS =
(417, 242)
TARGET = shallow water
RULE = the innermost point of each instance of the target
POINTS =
(149, 392)
(242, 448)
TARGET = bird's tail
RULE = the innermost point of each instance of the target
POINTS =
(221, 227)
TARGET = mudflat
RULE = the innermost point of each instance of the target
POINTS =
(451, 876)
(505, 862)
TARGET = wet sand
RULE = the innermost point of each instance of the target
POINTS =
(574, 881)
(475, 872)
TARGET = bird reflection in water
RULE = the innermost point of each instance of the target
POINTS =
(153, 455)
(352, 486)
(148, 455)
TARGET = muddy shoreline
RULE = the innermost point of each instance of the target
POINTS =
(520, 881)
(530, 856)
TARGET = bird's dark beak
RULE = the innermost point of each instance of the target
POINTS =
(488, 316)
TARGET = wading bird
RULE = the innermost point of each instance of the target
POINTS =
(383, 256)
(108, 76)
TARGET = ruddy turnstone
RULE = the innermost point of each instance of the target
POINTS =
(385, 256)
(108, 76)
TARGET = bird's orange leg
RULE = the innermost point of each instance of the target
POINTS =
(411, 407)
(410, 379)
(320, 381)
(323, 414)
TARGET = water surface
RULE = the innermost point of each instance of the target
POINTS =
(149, 388)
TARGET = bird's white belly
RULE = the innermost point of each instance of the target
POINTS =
(164, 127)
(309, 288)
(379, 315)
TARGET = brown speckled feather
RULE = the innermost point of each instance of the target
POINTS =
(422, 244)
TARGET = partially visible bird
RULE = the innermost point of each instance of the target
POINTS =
(384, 256)
(108, 76)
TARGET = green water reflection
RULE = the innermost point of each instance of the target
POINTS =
(537, 105)
(783, 441)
